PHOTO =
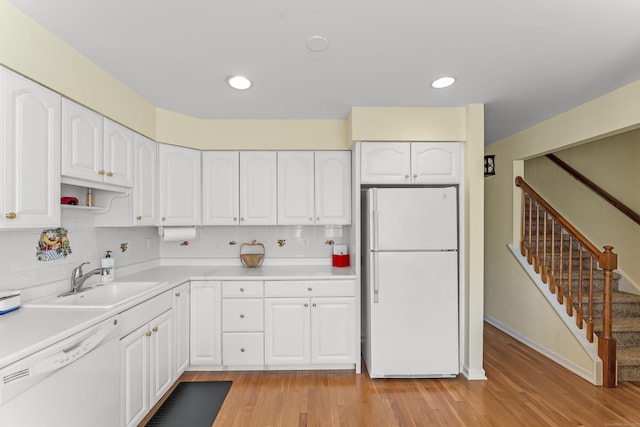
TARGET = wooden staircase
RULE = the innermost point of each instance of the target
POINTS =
(581, 276)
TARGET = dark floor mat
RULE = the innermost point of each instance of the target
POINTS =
(191, 404)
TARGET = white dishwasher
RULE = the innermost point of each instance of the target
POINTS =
(75, 382)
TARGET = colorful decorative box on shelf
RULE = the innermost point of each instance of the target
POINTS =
(9, 301)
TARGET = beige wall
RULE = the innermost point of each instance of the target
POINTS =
(510, 297)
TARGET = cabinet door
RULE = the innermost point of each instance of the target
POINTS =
(332, 330)
(179, 192)
(332, 187)
(82, 138)
(145, 187)
(296, 188)
(29, 154)
(117, 154)
(161, 362)
(135, 376)
(258, 188)
(436, 162)
(287, 331)
(221, 187)
(385, 162)
(181, 316)
(206, 319)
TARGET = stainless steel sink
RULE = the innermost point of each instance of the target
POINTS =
(101, 295)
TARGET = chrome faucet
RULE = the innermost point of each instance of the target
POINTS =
(78, 277)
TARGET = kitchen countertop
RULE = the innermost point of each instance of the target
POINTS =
(27, 330)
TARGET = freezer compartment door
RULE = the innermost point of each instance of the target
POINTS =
(414, 319)
(413, 218)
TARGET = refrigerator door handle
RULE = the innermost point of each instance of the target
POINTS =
(374, 276)
(373, 218)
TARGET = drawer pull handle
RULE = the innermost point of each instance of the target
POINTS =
(10, 215)
(242, 316)
(242, 349)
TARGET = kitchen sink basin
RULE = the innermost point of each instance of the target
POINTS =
(101, 295)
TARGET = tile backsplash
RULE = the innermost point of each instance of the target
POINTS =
(20, 269)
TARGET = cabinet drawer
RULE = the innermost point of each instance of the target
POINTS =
(240, 289)
(243, 348)
(142, 313)
(242, 314)
(310, 288)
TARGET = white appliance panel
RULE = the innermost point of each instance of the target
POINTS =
(413, 218)
(414, 323)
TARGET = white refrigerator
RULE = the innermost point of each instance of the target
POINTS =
(410, 282)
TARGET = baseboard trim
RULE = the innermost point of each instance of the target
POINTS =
(473, 374)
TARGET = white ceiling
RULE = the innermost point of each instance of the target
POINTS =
(525, 60)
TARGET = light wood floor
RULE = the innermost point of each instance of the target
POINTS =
(523, 389)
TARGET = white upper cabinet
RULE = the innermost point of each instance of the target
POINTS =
(333, 187)
(258, 177)
(295, 188)
(436, 162)
(221, 187)
(314, 188)
(29, 154)
(82, 138)
(411, 163)
(117, 154)
(385, 163)
(94, 148)
(179, 186)
(145, 188)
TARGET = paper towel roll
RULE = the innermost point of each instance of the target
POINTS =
(172, 234)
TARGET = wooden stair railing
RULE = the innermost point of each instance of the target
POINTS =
(542, 227)
(596, 188)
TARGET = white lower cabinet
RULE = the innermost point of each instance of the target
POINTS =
(147, 369)
(182, 316)
(302, 328)
(206, 333)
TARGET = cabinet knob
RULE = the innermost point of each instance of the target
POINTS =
(11, 215)
(101, 172)
(317, 218)
(235, 219)
(164, 218)
(177, 294)
(406, 176)
(241, 218)
(109, 173)
(314, 304)
(306, 305)
(148, 333)
(310, 218)
(139, 217)
(309, 288)
(242, 349)
(415, 175)
(241, 289)
(242, 316)
(155, 329)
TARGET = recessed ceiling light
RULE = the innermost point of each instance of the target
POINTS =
(239, 82)
(443, 82)
(317, 44)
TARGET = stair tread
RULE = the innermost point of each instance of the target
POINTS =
(620, 324)
(616, 296)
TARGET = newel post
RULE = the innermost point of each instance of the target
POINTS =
(606, 344)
